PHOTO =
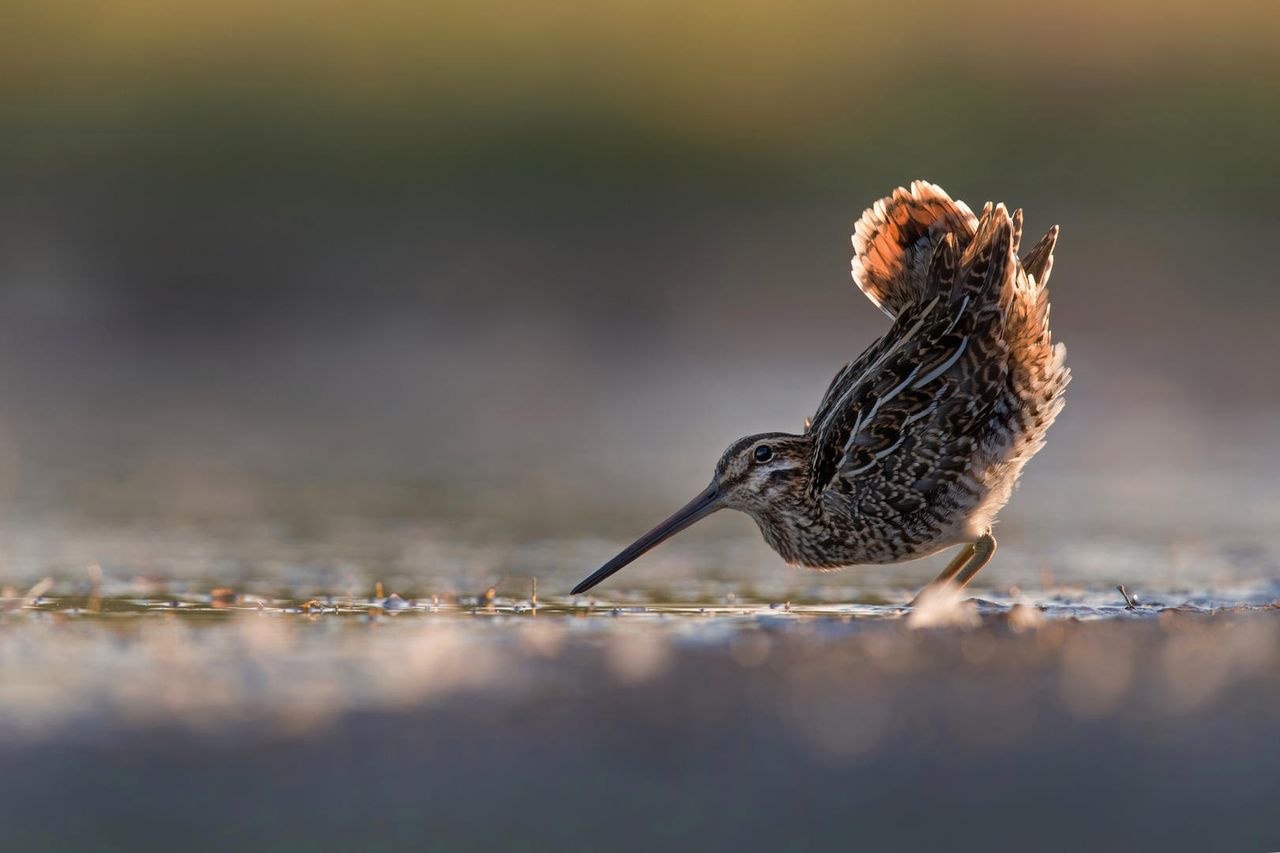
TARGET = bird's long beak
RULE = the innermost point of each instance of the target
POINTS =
(703, 505)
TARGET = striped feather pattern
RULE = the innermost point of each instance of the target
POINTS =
(919, 441)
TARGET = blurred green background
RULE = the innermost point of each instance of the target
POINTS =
(521, 270)
(1098, 103)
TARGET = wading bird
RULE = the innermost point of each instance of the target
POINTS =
(918, 442)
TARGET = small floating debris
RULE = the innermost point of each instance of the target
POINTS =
(223, 596)
(621, 610)
(394, 602)
(1130, 602)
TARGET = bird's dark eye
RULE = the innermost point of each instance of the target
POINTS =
(764, 453)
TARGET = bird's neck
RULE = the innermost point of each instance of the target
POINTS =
(793, 527)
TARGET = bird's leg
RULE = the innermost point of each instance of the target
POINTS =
(966, 564)
(953, 568)
(983, 550)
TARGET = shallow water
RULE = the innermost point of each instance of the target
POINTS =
(399, 688)
(68, 655)
(238, 720)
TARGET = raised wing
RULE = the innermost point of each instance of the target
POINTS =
(905, 415)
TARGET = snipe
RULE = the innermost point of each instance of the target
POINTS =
(918, 442)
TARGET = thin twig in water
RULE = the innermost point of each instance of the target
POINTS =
(1130, 602)
(95, 587)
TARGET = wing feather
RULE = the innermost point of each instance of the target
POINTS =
(913, 403)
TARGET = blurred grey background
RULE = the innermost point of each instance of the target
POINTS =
(518, 272)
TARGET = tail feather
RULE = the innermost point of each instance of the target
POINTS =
(1039, 261)
(1039, 373)
(986, 267)
(944, 265)
(1017, 230)
(895, 239)
(919, 242)
(993, 277)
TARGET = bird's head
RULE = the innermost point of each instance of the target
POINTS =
(758, 471)
(754, 474)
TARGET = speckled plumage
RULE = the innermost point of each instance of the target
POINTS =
(919, 441)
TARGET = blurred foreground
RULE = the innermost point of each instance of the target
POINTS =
(478, 725)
